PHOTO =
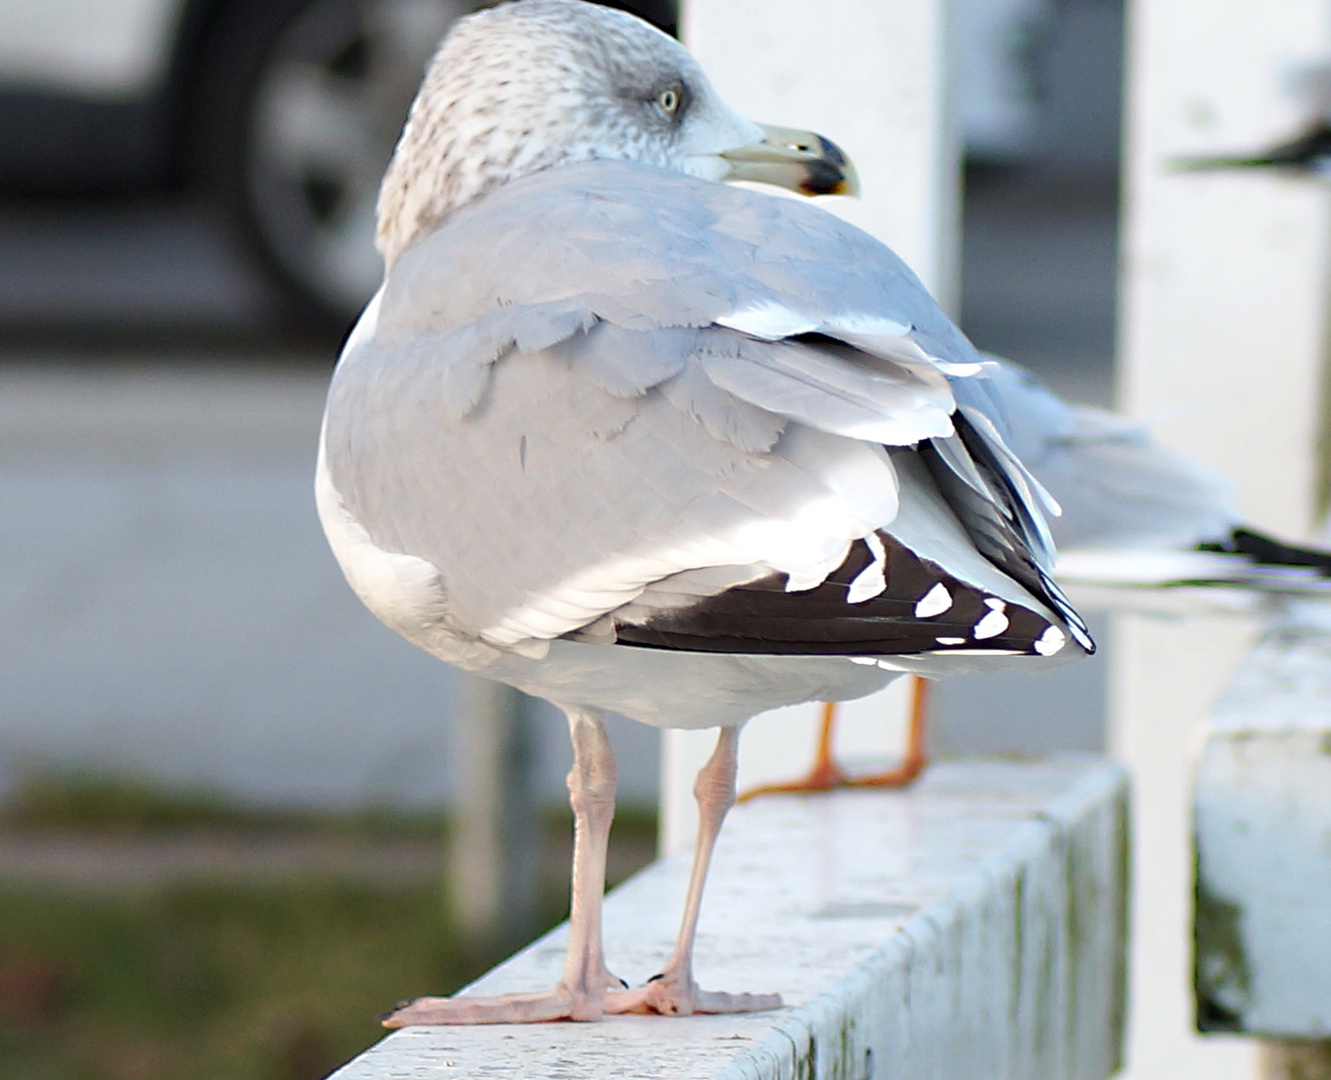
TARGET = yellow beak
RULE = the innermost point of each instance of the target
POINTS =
(801, 161)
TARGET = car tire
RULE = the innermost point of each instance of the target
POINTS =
(298, 107)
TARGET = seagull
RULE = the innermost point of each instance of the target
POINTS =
(1136, 512)
(1136, 515)
(632, 438)
(1307, 153)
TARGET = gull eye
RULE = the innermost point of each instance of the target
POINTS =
(668, 101)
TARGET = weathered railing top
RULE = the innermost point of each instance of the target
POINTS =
(1263, 828)
(972, 926)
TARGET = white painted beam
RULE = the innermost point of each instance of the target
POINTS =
(1263, 827)
(1165, 676)
(1225, 274)
(496, 830)
(872, 76)
(970, 927)
(1222, 335)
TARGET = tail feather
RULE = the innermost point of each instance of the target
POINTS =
(1244, 558)
(1268, 551)
(1308, 151)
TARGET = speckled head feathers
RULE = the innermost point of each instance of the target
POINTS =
(528, 85)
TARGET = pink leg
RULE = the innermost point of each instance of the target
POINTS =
(580, 994)
(673, 992)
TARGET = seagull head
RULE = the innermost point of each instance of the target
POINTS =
(530, 85)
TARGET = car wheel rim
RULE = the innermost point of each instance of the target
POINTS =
(326, 111)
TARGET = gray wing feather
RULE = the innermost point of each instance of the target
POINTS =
(647, 248)
(730, 417)
(558, 341)
(611, 248)
(653, 495)
(831, 387)
(627, 363)
(470, 349)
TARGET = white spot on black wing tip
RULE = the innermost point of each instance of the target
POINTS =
(994, 622)
(1051, 641)
(936, 601)
(951, 640)
(872, 580)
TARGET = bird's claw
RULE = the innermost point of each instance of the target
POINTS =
(667, 995)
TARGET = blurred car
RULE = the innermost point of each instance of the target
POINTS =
(283, 112)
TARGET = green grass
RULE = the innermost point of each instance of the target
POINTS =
(217, 981)
(223, 980)
(112, 802)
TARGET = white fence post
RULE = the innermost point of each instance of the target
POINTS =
(496, 828)
(872, 75)
(1222, 338)
(1263, 826)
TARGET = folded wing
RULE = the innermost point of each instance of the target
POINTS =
(701, 418)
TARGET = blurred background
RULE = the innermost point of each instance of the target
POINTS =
(230, 797)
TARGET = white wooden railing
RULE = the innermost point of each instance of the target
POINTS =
(971, 927)
(1263, 822)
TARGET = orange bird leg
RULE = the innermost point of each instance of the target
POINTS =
(916, 757)
(827, 775)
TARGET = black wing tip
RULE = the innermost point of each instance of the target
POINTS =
(1304, 153)
(762, 618)
(1266, 550)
